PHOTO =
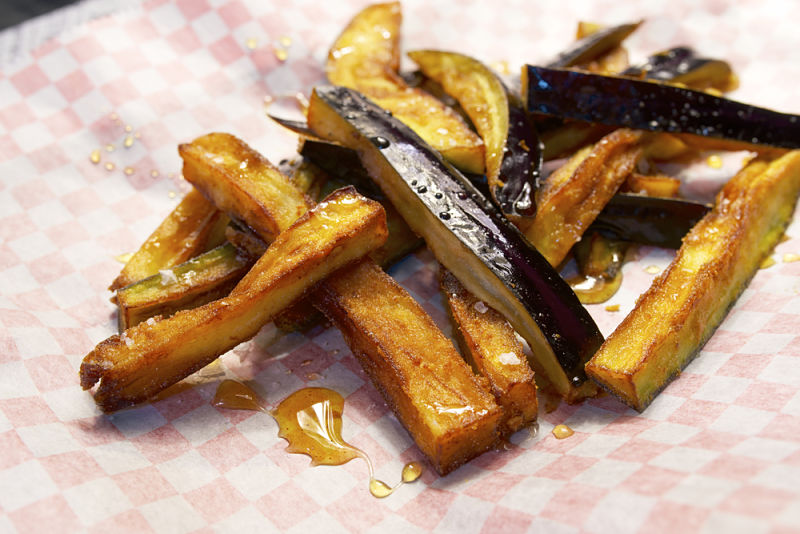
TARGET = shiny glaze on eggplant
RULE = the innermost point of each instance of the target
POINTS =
(521, 168)
(480, 228)
(681, 65)
(655, 107)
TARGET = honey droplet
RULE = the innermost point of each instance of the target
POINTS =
(128, 142)
(281, 54)
(652, 269)
(714, 161)
(128, 171)
(154, 173)
(791, 258)
(94, 157)
(311, 421)
(379, 488)
(234, 395)
(313, 376)
(124, 258)
(412, 471)
(562, 431)
(128, 128)
(768, 262)
(109, 148)
(285, 41)
(172, 194)
(251, 43)
(612, 308)
(110, 166)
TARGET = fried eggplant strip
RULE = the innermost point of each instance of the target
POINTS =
(489, 343)
(576, 193)
(366, 57)
(154, 355)
(430, 388)
(194, 226)
(683, 307)
(242, 183)
(204, 278)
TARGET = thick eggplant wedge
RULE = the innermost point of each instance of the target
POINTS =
(673, 319)
(466, 234)
(204, 278)
(573, 195)
(194, 226)
(242, 183)
(513, 149)
(151, 356)
(489, 343)
(644, 105)
(660, 222)
(441, 402)
(366, 57)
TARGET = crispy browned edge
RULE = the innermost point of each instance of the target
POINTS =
(411, 362)
(684, 305)
(193, 226)
(575, 194)
(483, 334)
(149, 357)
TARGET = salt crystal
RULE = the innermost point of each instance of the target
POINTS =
(508, 358)
(167, 277)
(480, 307)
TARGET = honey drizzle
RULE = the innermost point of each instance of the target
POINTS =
(311, 421)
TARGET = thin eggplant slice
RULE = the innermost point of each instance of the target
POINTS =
(682, 65)
(593, 45)
(513, 150)
(467, 235)
(655, 107)
(661, 222)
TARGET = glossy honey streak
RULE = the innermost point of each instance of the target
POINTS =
(310, 420)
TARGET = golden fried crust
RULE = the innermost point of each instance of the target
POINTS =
(489, 343)
(194, 226)
(154, 355)
(433, 392)
(366, 57)
(674, 318)
(242, 183)
(574, 195)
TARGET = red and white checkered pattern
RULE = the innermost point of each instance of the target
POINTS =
(718, 451)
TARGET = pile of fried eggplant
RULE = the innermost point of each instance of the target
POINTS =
(449, 156)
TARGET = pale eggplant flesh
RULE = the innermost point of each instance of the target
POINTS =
(467, 234)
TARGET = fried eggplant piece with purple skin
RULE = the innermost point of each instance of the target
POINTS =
(366, 57)
(466, 234)
(194, 226)
(513, 149)
(151, 356)
(658, 107)
(573, 196)
(444, 406)
(489, 343)
(678, 314)
(209, 276)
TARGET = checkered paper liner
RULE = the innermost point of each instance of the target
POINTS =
(718, 450)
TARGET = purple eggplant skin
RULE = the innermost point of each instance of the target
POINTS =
(655, 107)
(521, 168)
(657, 65)
(593, 45)
(682, 65)
(478, 227)
(660, 222)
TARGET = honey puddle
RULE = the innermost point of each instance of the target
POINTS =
(311, 421)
